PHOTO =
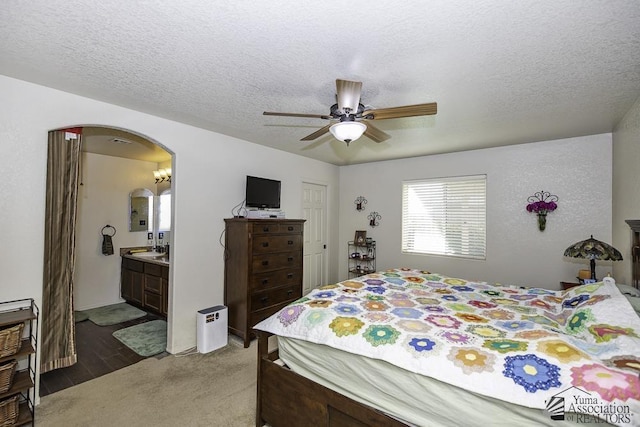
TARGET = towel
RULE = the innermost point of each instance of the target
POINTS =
(107, 245)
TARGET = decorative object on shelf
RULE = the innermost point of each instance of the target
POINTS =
(360, 237)
(162, 174)
(593, 250)
(360, 201)
(362, 257)
(374, 218)
(542, 203)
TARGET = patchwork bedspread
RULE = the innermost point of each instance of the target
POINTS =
(527, 346)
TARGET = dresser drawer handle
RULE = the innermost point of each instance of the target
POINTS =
(265, 281)
(290, 228)
(265, 244)
(290, 258)
(289, 292)
(289, 242)
(265, 263)
(264, 300)
(289, 275)
(265, 229)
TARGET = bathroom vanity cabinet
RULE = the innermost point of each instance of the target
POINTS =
(145, 284)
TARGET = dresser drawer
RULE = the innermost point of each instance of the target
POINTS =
(260, 300)
(265, 227)
(270, 262)
(291, 228)
(279, 243)
(274, 279)
(273, 227)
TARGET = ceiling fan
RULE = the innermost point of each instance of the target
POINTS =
(354, 119)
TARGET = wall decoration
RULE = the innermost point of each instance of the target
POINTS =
(541, 203)
(374, 218)
(360, 201)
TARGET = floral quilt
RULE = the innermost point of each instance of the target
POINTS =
(521, 345)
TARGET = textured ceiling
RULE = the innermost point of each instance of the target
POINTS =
(502, 72)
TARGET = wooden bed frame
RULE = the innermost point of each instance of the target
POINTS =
(288, 399)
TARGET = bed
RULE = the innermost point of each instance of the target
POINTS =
(406, 347)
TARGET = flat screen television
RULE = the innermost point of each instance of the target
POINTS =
(262, 193)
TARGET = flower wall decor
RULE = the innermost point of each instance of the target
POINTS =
(541, 203)
(360, 201)
(374, 218)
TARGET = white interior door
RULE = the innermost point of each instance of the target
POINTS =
(314, 208)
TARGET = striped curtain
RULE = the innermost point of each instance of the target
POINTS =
(58, 347)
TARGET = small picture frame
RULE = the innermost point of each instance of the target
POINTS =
(360, 237)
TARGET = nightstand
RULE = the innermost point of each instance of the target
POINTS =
(568, 285)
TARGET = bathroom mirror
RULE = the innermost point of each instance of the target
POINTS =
(141, 210)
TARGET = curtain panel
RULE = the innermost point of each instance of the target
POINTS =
(58, 347)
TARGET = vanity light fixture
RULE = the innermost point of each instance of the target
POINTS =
(162, 175)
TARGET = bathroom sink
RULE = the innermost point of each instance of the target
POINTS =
(157, 256)
(149, 254)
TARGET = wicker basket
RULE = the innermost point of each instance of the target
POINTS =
(7, 371)
(10, 340)
(9, 411)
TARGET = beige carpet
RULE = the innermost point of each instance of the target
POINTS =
(214, 389)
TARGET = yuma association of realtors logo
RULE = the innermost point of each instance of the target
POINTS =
(580, 406)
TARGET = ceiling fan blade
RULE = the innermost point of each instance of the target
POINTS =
(317, 133)
(348, 94)
(399, 112)
(313, 116)
(375, 134)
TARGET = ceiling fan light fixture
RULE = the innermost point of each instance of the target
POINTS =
(348, 131)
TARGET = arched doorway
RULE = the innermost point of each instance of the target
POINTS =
(113, 163)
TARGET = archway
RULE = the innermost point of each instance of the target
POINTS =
(114, 162)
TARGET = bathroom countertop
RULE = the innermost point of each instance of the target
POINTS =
(149, 256)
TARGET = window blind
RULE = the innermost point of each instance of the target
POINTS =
(445, 216)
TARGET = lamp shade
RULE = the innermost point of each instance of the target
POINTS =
(592, 250)
(348, 131)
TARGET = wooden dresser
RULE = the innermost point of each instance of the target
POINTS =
(262, 269)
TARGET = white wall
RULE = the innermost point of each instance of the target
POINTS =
(626, 181)
(103, 199)
(577, 170)
(208, 180)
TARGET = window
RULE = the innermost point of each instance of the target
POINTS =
(445, 216)
(164, 211)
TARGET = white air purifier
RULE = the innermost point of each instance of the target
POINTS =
(211, 328)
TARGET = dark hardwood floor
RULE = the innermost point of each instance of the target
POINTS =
(99, 353)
